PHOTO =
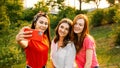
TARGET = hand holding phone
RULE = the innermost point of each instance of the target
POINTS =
(28, 33)
(36, 34)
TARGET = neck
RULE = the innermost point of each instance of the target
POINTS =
(79, 35)
(60, 42)
(61, 39)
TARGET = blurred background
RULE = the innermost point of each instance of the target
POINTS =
(104, 18)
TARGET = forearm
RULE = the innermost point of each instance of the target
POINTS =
(22, 43)
(88, 63)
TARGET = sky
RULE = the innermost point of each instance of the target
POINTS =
(102, 4)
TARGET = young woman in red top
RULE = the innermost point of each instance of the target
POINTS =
(35, 41)
(84, 43)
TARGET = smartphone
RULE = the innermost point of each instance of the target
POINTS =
(26, 29)
(36, 34)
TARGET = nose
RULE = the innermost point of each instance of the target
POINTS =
(77, 25)
(62, 30)
(43, 25)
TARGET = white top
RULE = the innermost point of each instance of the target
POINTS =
(63, 57)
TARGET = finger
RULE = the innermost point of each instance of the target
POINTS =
(24, 35)
(27, 32)
(25, 27)
(19, 37)
(21, 33)
(27, 36)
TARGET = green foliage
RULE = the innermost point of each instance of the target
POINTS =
(41, 6)
(10, 55)
(107, 54)
(60, 1)
(67, 12)
(112, 2)
(14, 10)
(53, 19)
(109, 13)
(117, 42)
(117, 34)
(9, 52)
(29, 13)
(96, 17)
(117, 16)
(81, 12)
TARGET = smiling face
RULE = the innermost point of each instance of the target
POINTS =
(63, 29)
(79, 26)
(41, 24)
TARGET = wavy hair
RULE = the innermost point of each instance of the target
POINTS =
(68, 37)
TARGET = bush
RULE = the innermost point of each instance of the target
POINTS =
(10, 55)
(96, 17)
(117, 16)
(66, 12)
(81, 12)
(10, 52)
(109, 13)
(117, 42)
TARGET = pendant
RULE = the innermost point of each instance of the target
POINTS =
(39, 33)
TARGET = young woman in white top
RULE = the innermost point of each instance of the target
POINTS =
(62, 49)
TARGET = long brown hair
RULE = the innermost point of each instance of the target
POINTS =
(36, 17)
(68, 37)
(78, 41)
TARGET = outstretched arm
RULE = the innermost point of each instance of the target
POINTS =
(20, 37)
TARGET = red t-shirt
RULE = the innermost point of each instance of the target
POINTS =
(81, 56)
(37, 50)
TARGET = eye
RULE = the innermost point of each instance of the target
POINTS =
(61, 26)
(67, 29)
(80, 24)
(46, 23)
(41, 22)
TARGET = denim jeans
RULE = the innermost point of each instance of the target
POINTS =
(96, 67)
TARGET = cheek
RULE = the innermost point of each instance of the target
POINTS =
(67, 31)
(36, 25)
(82, 28)
(46, 26)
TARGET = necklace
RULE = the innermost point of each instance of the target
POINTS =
(40, 33)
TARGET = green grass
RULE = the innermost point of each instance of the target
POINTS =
(108, 56)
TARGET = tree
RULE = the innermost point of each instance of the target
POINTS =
(14, 9)
(9, 53)
(80, 2)
(111, 2)
(97, 2)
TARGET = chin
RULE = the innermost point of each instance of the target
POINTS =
(76, 32)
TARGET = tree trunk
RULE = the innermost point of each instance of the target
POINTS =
(80, 2)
